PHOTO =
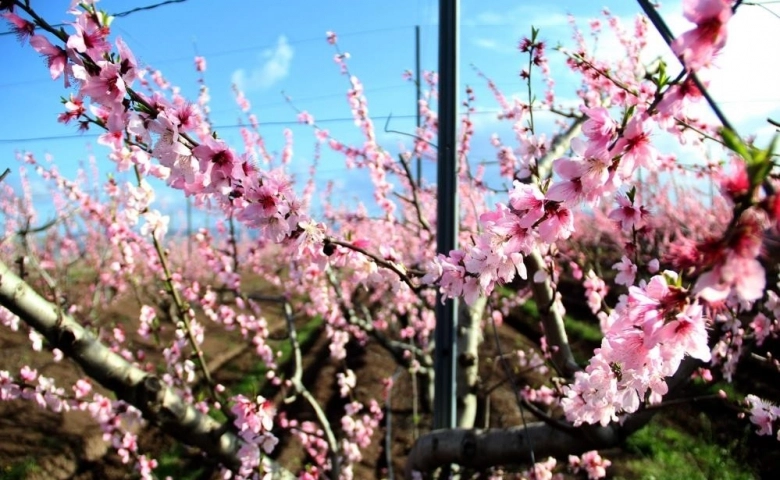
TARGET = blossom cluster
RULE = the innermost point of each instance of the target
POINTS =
(648, 334)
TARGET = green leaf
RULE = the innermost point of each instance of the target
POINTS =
(761, 163)
(632, 194)
(735, 144)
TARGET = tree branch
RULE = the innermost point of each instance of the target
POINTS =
(300, 388)
(396, 348)
(469, 338)
(160, 404)
(481, 449)
(554, 330)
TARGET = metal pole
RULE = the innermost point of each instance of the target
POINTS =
(447, 211)
(419, 87)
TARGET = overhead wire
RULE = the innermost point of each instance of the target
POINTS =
(120, 14)
(232, 126)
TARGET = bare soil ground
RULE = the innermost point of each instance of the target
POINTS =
(38, 444)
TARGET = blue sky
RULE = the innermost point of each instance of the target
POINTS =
(270, 47)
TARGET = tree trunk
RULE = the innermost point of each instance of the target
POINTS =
(467, 375)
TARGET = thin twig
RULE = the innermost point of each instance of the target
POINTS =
(416, 137)
(415, 199)
(762, 5)
(395, 347)
(402, 274)
(678, 401)
(184, 312)
(300, 388)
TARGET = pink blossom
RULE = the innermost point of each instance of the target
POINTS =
(649, 305)
(56, 58)
(626, 272)
(513, 237)
(147, 317)
(156, 224)
(697, 47)
(528, 200)
(305, 118)
(636, 149)
(687, 333)
(676, 98)
(569, 188)
(107, 87)
(28, 374)
(542, 470)
(346, 382)
(653, 265)
(145, 467)
(90, 38)
(762, 414)
(9, 390)
(200, 64)
(218, 164)
(599, 128)
(82, 388)
(737, 184)
(594, 465)
(745, 276)
(762, 327)
(595, 291)
(21, 27)
(558, 225)
(627, 214)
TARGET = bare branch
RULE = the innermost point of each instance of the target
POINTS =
(396, 348)
(415, 199)
(300, 388)
(401, 271)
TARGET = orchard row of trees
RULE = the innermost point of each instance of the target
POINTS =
(680, 281)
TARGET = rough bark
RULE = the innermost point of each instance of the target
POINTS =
(160, 404)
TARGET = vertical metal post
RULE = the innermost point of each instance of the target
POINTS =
(419, 89)
(447, 210)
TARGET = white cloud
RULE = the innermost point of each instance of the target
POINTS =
(274, 67)
(490, 18)
(522, 17)
(493, 45)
